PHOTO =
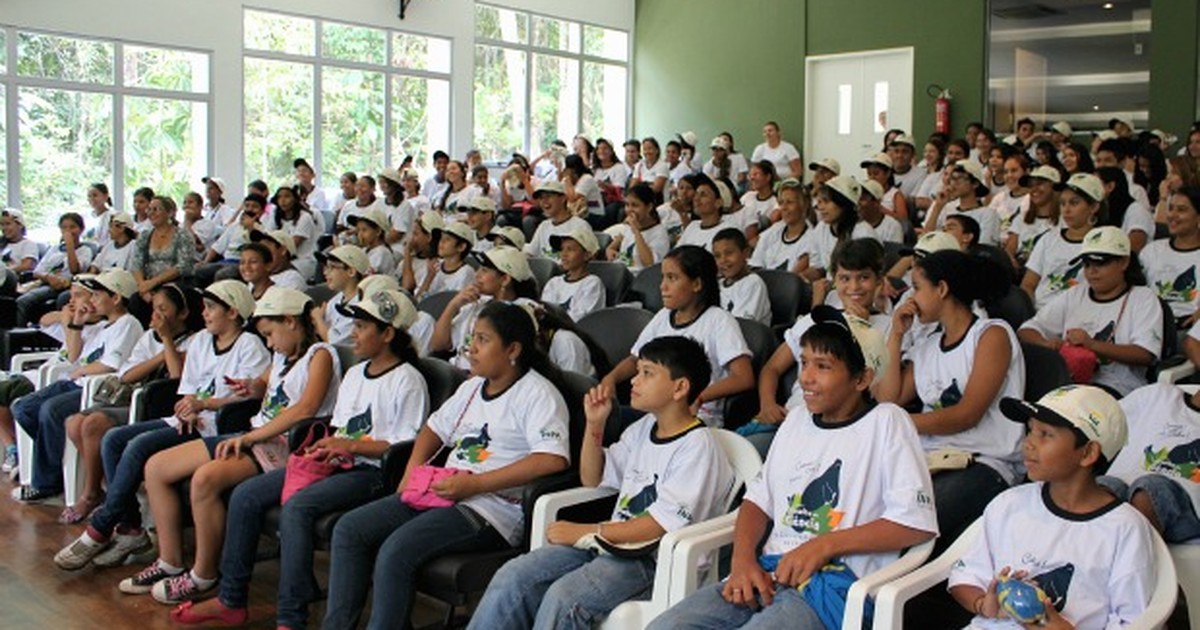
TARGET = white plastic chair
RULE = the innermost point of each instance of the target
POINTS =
(73, 474)
(889, 603)
(1187, 570)
(720, 533)
(21, 363)
(746, 463)
(1176, 373)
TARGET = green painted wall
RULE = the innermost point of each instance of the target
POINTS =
(707, 65)
(1175, 29)
(948, 37)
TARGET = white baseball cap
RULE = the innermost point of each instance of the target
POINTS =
(116, 281)
(14, 214)
(352, 256)
(1091, 410)
(507, 260)
(378, 282)
(827, 163)
(232, 294)
(279, 237)
(904, 139)
(390, 307)
(1048, 173)
(1085, 184)
(688, 137)
(392, 174)
(1102, 243)
(582, 235)
(719, 143)
(930, 242)
(458, 229)
(873, 188)
(215, 181)
(1062, 127)
(371, 215)
(280, 301)
(879, 159)
(845, 186)
(513, 235)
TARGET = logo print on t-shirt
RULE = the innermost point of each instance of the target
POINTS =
(275, 403)
(1055, 584)
(357, 427)
(950, 396)
(815, 510)
(1068, 279)
(1182, 461)
(634, 506)
(208, 391)
(473, 448)
(1106, 333)
(1183, 289)
(95, 355)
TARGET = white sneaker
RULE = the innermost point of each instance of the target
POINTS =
(123, 546)
(78, 554)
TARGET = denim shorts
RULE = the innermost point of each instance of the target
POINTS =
(1172, 505)
(211, 443)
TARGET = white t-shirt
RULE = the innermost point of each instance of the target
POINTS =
(931, 184)
(941, 375)
(695, 234)
(111, 345)
(1028, 233)
(1137, 217)
(55, 261)
(774, 251)
(352, 209)
(422, 332)
(230, 242)
(1164, 431)
(207, 232)
(1141, 324)
(113, 257)
(381, 259)
(340, 326)
(284, 388)
(148, 346)
(670, 220)
(1008, 207)
(456, 202)
(716, 330)
(617, 175)
(1171, 273)
(988, 219)
(388, 407)
(14, 253)
(1097, 568)
(433, 190)
(677, 481)
(488, 433)
(290, 278)
(205, 369)
(793, 336)
(888, 230)
(781, 156)
(824, 242)
(910, 182)
(450, 281)
(577, 298)
(737, 168)
(656, 238)
(401, 218)
(1051, 261)
(649, 174)
(539, 245)
(304, 227)
(756, 209)
(568, 351)
(590, 189)
(820, 478)
(747, 298)
(98, 232)
(221, 215)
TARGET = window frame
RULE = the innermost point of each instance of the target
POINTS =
(118, 90)
(580, 58)
(318, 62)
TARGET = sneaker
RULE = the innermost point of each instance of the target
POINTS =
(124, 546)
(10, 459)
(30, 495)
(78, 554)
(141, 583)
(180, 588)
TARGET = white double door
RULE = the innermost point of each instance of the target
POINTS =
(851, 100)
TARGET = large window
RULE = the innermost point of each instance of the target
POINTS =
(538, 79)
(345, 96)
(87, 110)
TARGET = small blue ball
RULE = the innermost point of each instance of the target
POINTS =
(1021, 601)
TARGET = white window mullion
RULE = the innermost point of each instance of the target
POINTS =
(387, 101)
(11, 120)
(118, 129)
(316, 127)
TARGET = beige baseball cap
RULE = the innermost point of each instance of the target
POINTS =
(482, 203)
(1085, 184)
(725, 193)
(233, 294)
(582, 235)
(873, 188)
(930, 242)
(352, 256)
(878, 159)
(1102, 243)
(431, 221)
(719, 143)
(1062, 127)
(372, 215)
(549, 186)
(279, 237)
(904, 139)
(513, 235)
(391, 174)
(123, 218)
(458, 229)
(378, 282)
(1091, 410)
(1048, 173)
(845, 186)
(116, 281)
(827, 163)
(280, 301)
(391, 307)
(507, 260)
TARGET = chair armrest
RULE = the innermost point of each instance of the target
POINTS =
(91, 384)
(17, 341)
(693, 543)
(394, 461)
(155, 399)
(235, 417)
(547, 507)
(866, 586)
(25, 360)
(297, 434)
(1175, 373)
(1166, 591)
(53, 371)
(541, 486)
(889, 601)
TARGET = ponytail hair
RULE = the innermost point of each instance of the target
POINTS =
(968, 278)
(102, 188)
(514, 325)
(698, 264)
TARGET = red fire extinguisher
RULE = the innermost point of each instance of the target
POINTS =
(941, 108)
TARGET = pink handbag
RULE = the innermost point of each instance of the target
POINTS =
(303, 469)
(418, 493)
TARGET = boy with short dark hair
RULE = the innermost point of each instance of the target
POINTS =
(576, 289)
(845, 483)
(1090, 554)
(743, 292)
(670, 472)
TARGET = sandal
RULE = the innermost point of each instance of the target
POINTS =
(183, 614)
(71, 516)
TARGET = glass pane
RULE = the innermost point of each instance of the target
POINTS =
(499, 101)
(280, 33)
(50, 57)
(501, 24)
(555, 101)
(556, 34)
(604, 101)
(845, 91)
(351, 121)
(177, 70)
(3, 51)
(418, 52)
(66, 144)
(354, 43)
(166, 145)
(279, 116)
(420, 119)
(881, 106)
(605, 42)
(3, 143)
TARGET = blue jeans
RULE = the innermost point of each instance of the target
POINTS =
(1172, 506)
(29, 303)
(43, 415)
(561, 587)
(124, 451)
(706, 608)
(960, 496)
(387, 541)
(250, 502)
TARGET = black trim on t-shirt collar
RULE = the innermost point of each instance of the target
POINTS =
(821, 424)
(1063, 233)
(1072, 516)
(217, 349)
(370, 377)
(1092, 295)
(675, 326)
(783, 234)
(483, 393)
(952, 347)
(1171, 244)
(654, 439)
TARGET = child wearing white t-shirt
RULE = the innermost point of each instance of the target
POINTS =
(743, 293)
(843, 476)
(1050, 269)
(1171, 263)
(344, 266)
(18, 253)
(708, 203)
(1090, 555)
(694, 311)
(642, 240)
(576, 291)
(668, 471)
(789, 242)
(837, 210)
(451, 271)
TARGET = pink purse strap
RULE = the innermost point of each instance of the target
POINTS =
(457, 422)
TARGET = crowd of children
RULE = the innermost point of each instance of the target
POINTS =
(905, 420)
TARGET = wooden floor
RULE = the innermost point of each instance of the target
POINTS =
(36, 594)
